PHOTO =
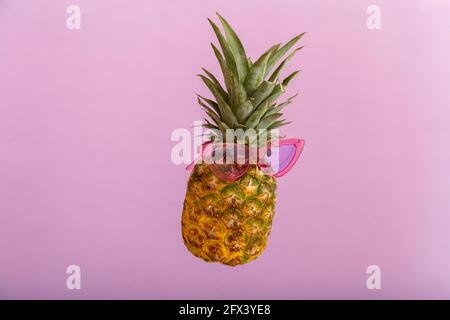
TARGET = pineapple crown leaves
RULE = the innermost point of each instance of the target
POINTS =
(251, 89)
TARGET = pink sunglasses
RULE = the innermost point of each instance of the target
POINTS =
(231, 161)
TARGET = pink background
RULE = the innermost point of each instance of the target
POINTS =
(85, 170)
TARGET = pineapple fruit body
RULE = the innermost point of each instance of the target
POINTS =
(228, 222)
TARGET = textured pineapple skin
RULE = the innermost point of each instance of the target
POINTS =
(228, 222)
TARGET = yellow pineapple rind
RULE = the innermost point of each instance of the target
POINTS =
(228, 222)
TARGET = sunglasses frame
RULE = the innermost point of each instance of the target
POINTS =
(297, 143)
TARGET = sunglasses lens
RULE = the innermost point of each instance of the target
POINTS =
(278, 158)
(229, 154)
(228, 161)
(228, 172)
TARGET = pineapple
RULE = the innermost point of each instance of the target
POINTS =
(230, 222)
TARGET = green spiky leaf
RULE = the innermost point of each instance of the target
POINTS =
(269, 120)
(227, 114)
(217, 83)
(243, 111)
(250, 63)
(237, 94)
(207, 108)
(276, 93)
(237, 49)
(228, 54)
(214, 117)
(256, 116)
(289, 78)
(209, 125)
(262, 92)
(220, 124)
(277, 124)
(257, 72)
(277, 108)
(281, 52)
(210, 102)
(277, 71)
(227, 74)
